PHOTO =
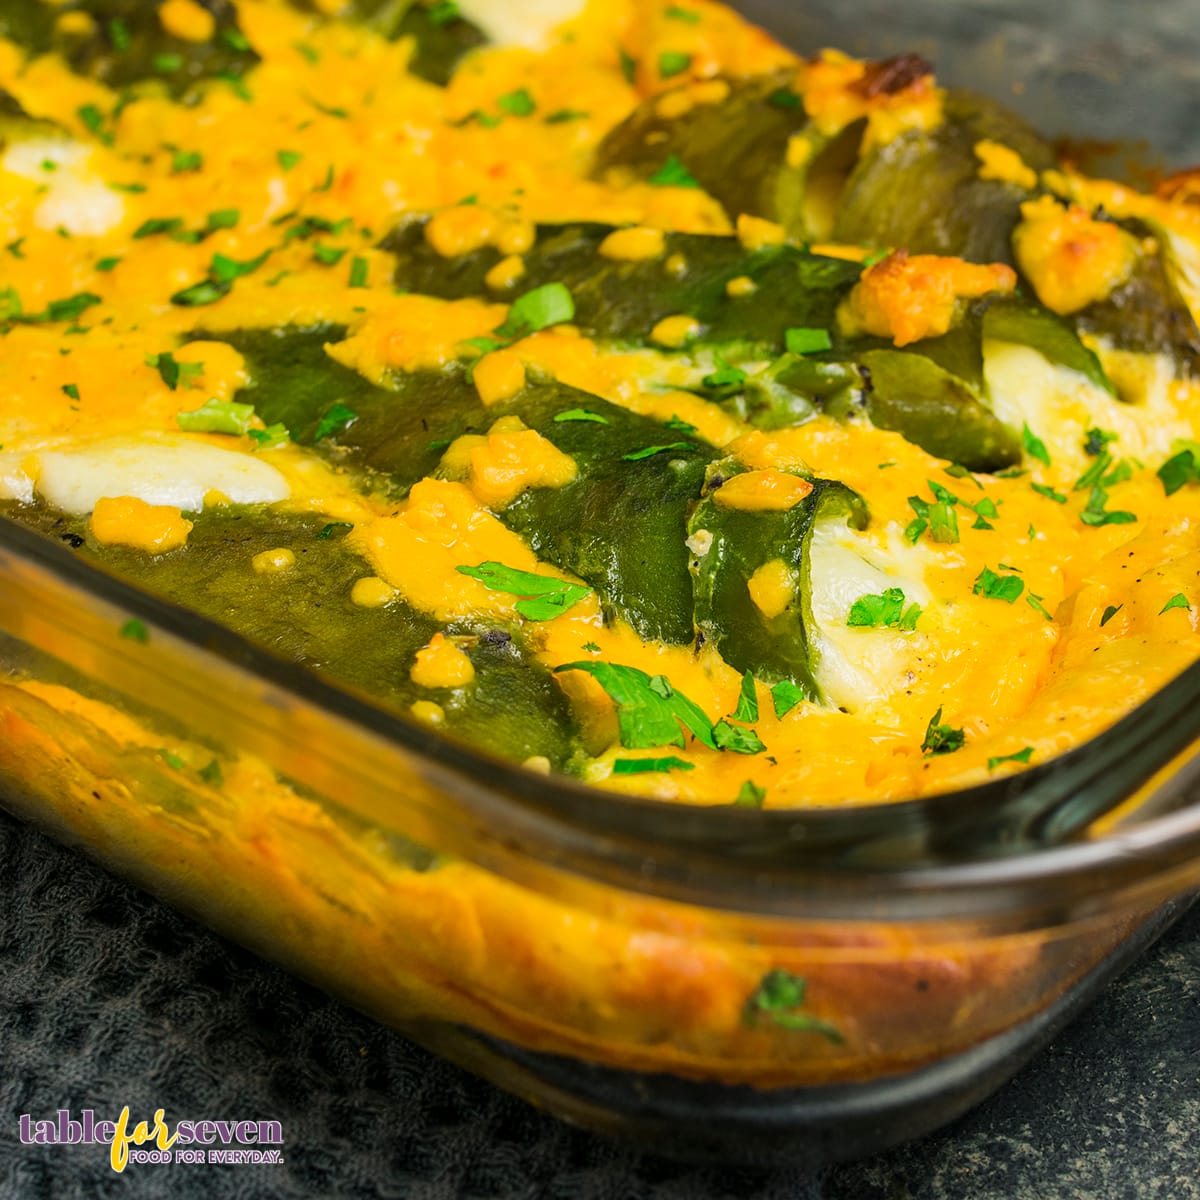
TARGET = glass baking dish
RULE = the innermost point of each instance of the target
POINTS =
(809, 984)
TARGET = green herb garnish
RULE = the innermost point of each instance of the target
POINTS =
(550, 304)
(941, 739)
(1021, 756)
(886, 610)
(336, 418)
(650, 766)
(998, 587)
(779, 998)
(1034, 446)
(217, 416)
(542, 597)
(673, 174)
(807, 341)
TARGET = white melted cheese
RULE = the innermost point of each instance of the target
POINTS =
(167, 470)
(528, 24)
(859, 667)
(1060, 405)
(76, 199)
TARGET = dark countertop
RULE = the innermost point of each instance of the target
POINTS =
(107, 999)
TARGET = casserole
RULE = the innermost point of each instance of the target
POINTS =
(726, 945)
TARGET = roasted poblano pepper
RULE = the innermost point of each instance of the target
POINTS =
(922, 190)
(512, 707)
(1146, 313)
(126, 42)
(623, 300)
(621, 524)
(736, 149)
(440, 34)
(401, 431)
(729, 545)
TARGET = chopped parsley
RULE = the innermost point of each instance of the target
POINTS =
(1050, 494)
(807, 341)
(327, 531)
(93, 121)
(1178, 471)
(750, 795)
(785, 695)
(207, 291)
(886, 610)
(550, 304)
(1096, 440)
(135, 631)
(628, 65)
(271, 437)
(212, 774)
(992, 586)
(174, 373)
(672, 63)
(747, 705)
(222, 218)
(443, 12)
(336, 418)
(1096, 513)
(542, 597)
(562, 115)
(1179, 600)
(579, 414)
(358, 272)
(328, 256)
(1110, 612)
(650, 766)
(673, 174)
(784, 98)
(118, 35)
(779, 998)
(938, 517)
(223, 269)
(678, 424)
(217, 416)
(518, 104)
(725, 376)
(1021, 756)
(287, 159)
(650, 712)
(72, 308)
(186, 160)
(1034, 446)
(737, 738)
(71, 390)
(1035, 602)
(681, 14)
(941, 739)
(590, 647)
(650, 451)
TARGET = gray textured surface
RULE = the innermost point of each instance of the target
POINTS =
(1104, 69)
(108, 999)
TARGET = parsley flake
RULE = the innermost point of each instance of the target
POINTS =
(518, 104)
(217, 416)
(135, 631)
(998, 587)
(580, 414)
(941, 739)
(1179, 600)
(672, 63)
(780, 998)
(673, 174)
(1021, 756)
(1034, 446)
(648, 766)
(886, 610)
(650, 451)
(750, 795)
(550, 304)
(1110, 612)
(542, 597)
(336, 418)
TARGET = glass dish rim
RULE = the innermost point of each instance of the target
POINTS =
(608, 834)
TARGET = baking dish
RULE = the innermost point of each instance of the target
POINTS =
(404, 872)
